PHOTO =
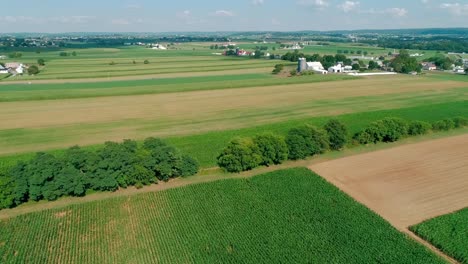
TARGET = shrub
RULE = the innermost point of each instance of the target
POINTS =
(63, 54)
(418, 128)
(273, 149)
(385, 130)
(7, 196)
(41, 62)
(364, 137)
(337, 134)
(443, 125)
(278, 68)
(146, 62)
(306, 141)
(188, 166)
(374, 133)
(32, 70)
(460, 122)
(241, 154)
(396, 128)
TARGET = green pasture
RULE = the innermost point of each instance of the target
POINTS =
(289, 216)
(26, 92)
(449, 233)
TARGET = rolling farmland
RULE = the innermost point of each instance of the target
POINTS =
(197, 102)
(285, 216)
(51, 124)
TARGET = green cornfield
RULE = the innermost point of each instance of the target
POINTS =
(449, 233)
(289, 216)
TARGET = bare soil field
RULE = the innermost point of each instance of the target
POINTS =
(408, 184)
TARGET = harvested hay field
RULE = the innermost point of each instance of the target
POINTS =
(409, 184)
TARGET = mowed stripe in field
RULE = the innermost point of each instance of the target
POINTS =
(195, 73)
(406, 185)
(199, 105)
(42, 125)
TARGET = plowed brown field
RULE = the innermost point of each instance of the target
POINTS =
(406, 185)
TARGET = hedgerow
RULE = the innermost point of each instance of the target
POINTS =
(116, 165)
(306, 141)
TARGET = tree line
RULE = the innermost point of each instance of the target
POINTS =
(116, 165)
(243, 154)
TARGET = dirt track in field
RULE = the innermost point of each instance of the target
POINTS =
(406, 185)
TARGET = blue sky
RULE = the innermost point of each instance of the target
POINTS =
(217, 15)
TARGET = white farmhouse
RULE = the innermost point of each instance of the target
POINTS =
(336, 69)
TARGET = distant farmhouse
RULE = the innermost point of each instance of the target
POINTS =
(3, 57)
(13, 68)
(158, 47)
(429, 66)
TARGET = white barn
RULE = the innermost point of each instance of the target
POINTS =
(314, 66)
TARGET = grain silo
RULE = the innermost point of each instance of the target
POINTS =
(301, 65)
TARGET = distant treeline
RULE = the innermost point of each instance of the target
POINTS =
(436, 43)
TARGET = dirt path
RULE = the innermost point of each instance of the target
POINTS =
(406, 185)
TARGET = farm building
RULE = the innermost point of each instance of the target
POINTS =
(159, 47)
(12, 65)
(3, 70)
(15, 68)
(315, 66)
(336, 69)
(3, 57)
(429, 66)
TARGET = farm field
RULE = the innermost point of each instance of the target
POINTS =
(223, 221)
(448, 233)
(408, 184)
(47, 124)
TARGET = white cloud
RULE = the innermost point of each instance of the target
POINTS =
(395, 11)
(258, 2)
(41, 20)
(398, 12)
(120, 22)
(456, 8)
(18, 19)
(349, 6)
(133, 6)
(72, 19)
(184, 14)
(319, 4)
(224, 13)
